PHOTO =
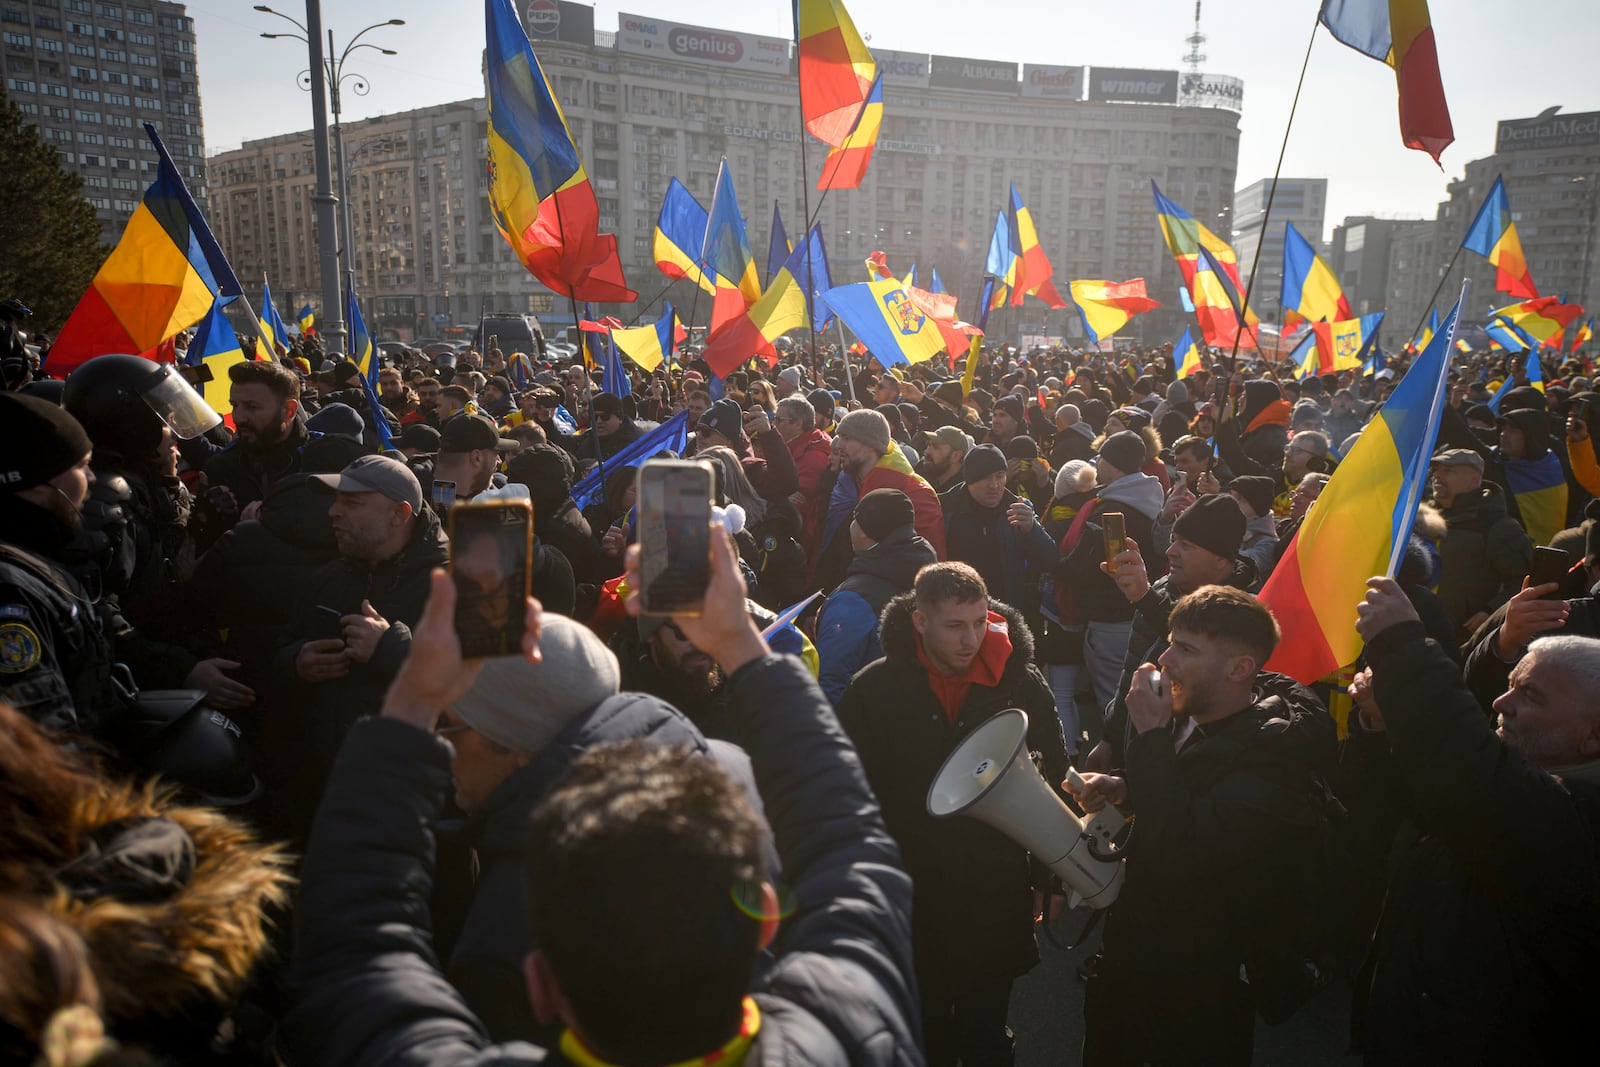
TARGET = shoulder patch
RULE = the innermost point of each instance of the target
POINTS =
(20, 648)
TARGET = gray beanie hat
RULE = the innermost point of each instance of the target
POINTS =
(524, 706)
(1124, 451)
(867, 426)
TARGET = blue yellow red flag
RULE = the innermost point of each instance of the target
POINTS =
(1034, 269)
(937, 285)
(783, 307)
(1583, 334)
(1399, 33)
(846, 165)
(1493, 235)
(835, 66)
(885, 318)
(1361, 524)
(273, 331)
(163, 276)
(1186, 355)
(1210, 270)
(216, 346)
(1107, 307)
(364, 354)
(725, 254)
(1542, 318)
(650, 346)
(1311, 292)
(539, 193)
(305, 319)
(680, 235)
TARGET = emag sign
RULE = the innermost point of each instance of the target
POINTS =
(1548, 132)
(978, 75)
(744, 51)
(1132, 86)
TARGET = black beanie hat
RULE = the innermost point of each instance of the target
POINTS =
(1213, 522)
(38, 440)
(884, 511)
(1124, 451)
(1022, 447)
(724, 417)
(981, 462)
(1257, 489)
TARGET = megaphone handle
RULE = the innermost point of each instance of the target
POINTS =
(1075, 780)
(1095, 915)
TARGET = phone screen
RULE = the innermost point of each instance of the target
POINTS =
(674, 536)
(491, 550)
(1549, 565)
(1116, 533)
(444, 494)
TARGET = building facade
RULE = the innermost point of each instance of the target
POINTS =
(657, 100)
(1302, 201)
(1363, 257)
(90, 74)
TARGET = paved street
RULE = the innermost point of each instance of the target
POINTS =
(1047, 1016)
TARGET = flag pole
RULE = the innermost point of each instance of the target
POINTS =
(1434, 299)
(583, 350)
(1272, 192)
(805, 193)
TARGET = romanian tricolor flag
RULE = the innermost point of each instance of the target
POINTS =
(1343, 345)
(1311, 292)
(1583, 334)
(306, 319)
(836, 69)
(680, 234)
(783, 307)
(1360, 525)
(937, 286)
(1107, 307)
(1400, 34)
(726, 256)
(1307, 364)
(650, 346)
(539, 193)
(364, 354)
(1541, 319)
(1186, 355)
(273, 331)
(1017, 261)
(883, 315)
(1210, 270)
(217, 347)
(846, 165)
(1494, 237)
(164, 276)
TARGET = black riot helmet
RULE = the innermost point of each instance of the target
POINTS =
(124, 401)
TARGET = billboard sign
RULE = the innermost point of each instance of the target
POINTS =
(1211, 90)
(902, 68)
(1133, 86)
(698, 44)
(975, 75)
(558, 20)
(1041, 80)
(1548, 132)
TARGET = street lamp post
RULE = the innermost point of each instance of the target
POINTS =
(333, 239)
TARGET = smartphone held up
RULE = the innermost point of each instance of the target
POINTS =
(491, 562)
(674, 536)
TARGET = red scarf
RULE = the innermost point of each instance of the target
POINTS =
(985, 669)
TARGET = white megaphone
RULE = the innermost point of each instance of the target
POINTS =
(990, 777)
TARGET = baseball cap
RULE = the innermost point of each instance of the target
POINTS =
(1459, 457)
(955, 437)
(467, 432)
(375, 474)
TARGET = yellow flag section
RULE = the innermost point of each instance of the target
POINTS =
(882, 314)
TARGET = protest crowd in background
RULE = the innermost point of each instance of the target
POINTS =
(388, 856)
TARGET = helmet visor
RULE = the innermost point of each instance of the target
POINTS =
(183, 410)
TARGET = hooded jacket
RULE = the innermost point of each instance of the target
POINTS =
(847, 626)
(810, 452)
(835, 989)
(1485, 951)
(1138, 497)
(1221, 828)
(972, 923)
(249, 472)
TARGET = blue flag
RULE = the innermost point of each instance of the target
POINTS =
(616, 381)
(671, 435)
(779, 247)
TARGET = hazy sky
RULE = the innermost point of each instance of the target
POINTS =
(1346, 129)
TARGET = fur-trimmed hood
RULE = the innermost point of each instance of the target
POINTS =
(898, 635)
(175, 934)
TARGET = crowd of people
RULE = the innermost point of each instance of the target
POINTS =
(260, 809)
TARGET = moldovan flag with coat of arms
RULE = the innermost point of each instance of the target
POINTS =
(883, 315)
(1360, 524)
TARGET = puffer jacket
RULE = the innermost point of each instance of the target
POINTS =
(973, 921)
(847, 626)
(249, 473)
(811, 451)
(1011, 560)
(834, 988)
(1485, 950)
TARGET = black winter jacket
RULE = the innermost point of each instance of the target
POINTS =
(1485, 952)
(973, 919)
(835, 990)
(1215, 854)
(248, 473)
